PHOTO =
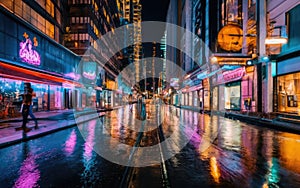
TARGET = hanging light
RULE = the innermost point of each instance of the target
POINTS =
(276, 40)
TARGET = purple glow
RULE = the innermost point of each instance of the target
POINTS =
(73, 76)
(70, 143)
(29, 174)
(89, 144)
(27, 54)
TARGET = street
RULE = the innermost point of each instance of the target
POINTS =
(121, 149)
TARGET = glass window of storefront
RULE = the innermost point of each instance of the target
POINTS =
(288, 87)
(233, 96)
(10, 99)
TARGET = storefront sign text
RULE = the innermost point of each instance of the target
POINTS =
(234, 74)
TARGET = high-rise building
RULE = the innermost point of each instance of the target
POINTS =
(132, 14)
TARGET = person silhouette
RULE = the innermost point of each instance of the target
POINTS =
(26, 103)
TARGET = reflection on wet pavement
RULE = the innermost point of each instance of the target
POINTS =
(202, 150)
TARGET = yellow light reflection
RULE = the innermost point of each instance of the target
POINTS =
(289, 152)
(214, 169)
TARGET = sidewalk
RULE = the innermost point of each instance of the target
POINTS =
(279, 121)
(48, 122)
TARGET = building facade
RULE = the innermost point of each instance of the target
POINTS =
(284, 58)
(31, 52)
(52, 44)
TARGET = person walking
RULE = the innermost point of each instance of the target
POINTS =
(26, 103)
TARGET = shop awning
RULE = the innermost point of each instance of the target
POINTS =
(21, 73)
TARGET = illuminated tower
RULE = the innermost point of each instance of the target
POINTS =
(132, 10)
(153, 65)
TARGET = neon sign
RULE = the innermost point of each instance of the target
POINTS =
(234, 74)
(73, 76)
(26, 53)
(89, 70)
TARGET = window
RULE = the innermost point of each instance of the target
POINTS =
(50, 7)
(293, 21)
(49, 29)
(58, 17)
(41, 23)
(34, 18)
(18, 7)
(26, 12)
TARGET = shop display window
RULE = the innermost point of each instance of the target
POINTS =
(288, 87)
(233, 96)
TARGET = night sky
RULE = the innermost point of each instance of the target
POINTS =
(154, 10)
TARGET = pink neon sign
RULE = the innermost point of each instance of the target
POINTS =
(234, 74)
(27, 54)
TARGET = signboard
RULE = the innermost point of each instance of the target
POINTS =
(89, 70)
(27, 52)
(233, 75)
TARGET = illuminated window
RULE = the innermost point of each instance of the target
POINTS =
(49, 29)
(50, 7)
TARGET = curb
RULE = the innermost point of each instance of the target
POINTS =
(273, 124)
(277, 125)
(50, 118)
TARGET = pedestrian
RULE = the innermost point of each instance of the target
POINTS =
(26, 103)
(130, 102)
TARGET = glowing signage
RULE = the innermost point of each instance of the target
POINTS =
(234, 74)
(73, 76)
(27, 53)
(89, 70)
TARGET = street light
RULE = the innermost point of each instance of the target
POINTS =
(279, 38)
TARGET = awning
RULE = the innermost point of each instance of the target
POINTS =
(26, 74)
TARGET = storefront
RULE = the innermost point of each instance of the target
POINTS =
(27, 55)
(232, 96)
(233, 80)
(206, 94)
(287, 86)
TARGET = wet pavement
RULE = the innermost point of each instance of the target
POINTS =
(199, 151)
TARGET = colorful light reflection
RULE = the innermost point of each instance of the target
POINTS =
(70, 143)
(29, 174)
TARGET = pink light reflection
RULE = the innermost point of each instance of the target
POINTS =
(89, 144)
(70, 143)
(29, 174)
